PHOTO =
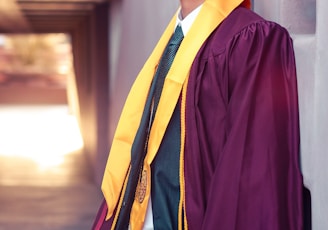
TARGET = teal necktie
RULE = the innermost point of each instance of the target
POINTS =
(139, 147)
(166, 62)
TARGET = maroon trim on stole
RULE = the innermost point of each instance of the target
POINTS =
(100, 222)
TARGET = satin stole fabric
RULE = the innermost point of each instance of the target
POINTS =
(212, 13)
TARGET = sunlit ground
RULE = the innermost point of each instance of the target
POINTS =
(45, 180)
(37, 139)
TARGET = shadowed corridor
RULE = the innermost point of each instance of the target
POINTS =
(51, 164)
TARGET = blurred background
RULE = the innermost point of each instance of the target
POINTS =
(66, 67)
(35, 64)
(45, 177)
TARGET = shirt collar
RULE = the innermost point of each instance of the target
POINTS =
(187, 22)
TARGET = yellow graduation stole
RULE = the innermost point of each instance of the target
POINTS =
(212, 13)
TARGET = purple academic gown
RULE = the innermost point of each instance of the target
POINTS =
(242, 169)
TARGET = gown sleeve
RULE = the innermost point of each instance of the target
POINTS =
(257, 174)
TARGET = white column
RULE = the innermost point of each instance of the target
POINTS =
(320, 128)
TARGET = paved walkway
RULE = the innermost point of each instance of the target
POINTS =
(42, 187)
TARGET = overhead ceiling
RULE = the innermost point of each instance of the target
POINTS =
(33, 16)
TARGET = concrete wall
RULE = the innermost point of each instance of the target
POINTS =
(137, 25)
(90, 50)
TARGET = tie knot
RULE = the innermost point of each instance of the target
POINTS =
(177, 36)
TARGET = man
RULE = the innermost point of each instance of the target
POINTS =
(221, 149)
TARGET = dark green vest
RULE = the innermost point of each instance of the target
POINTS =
(165, 187)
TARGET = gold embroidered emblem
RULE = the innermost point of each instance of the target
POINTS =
(141, 187)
